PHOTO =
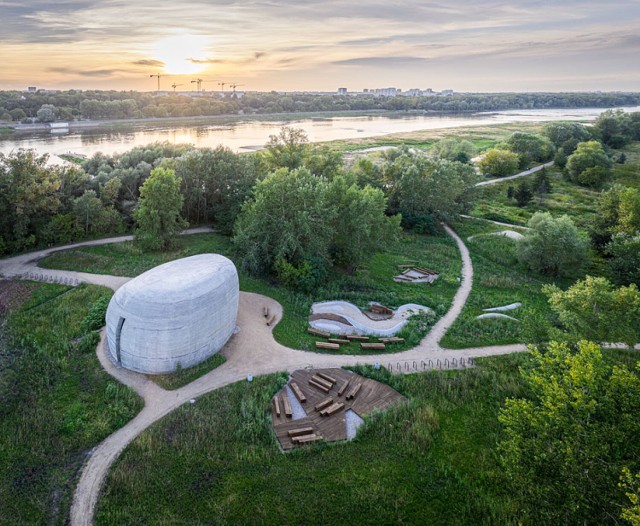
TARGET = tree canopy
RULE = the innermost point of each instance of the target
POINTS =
(552, 246)
(158, 216)
(530, 148)
(499, 163)
(589, 165)
(453, 149)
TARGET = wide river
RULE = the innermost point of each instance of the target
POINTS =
(252, 135)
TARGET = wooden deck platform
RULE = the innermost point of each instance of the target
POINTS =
(371, 395)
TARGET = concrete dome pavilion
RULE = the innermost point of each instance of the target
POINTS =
(174, 315)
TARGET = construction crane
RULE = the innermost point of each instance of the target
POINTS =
(234, 86)
(199, 82)
(174, 86)
(222, 85)
(159, 76)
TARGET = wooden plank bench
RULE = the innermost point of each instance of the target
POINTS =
(276, 405)
(344, 387)
(404, 278)
(298, 392)
(354, 392)
(326, 345)
(316, 332)
(319, 386)
(300, 431)
(322, 381)
(272, 320)
(334, 408)
(393, 339)
(306, 438)
(287, 405)
(358, 338)
(328, 378)
(339, 341)
(265, 312)
(378, 346)
(325, 403)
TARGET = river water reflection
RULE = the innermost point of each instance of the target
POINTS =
(252, 135)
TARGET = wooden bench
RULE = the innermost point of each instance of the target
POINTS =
(265, 312)
(328, 378)
(354, 392)
(325, 403)
(334, 408)
(378, 346)
(276, 405)
(358, 338)
(300, 431)
(316, 332)
(287, 405)
(319, 386)
(392, 340)
(344, 387)
(306, 438)
(404, 278)
(271, 320)
(325, 345)
(298, 392)
(339, 341)
(322, 381)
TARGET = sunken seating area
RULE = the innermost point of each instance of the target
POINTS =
(322, 398)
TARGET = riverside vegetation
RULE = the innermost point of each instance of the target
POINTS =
(448, 439)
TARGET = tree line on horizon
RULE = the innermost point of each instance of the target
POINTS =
(41, 106)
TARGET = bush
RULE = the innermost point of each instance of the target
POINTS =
(95, 319)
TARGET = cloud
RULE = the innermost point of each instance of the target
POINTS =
(380, 61)
(94, 73)
(207, 61)
(149, 62)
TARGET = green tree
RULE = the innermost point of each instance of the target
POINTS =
(46, 113)
(631, 485)
(425, 190)
(158, 216)
(499, 163)
(564, 134)
(367, 172)
(360, 226)
(614, 127)
(589, 165)
(617, 212)
(286, 150)
(288, 218)
(530, 148)
(542, 183)
(87, 211)
(565, 444)
(523, 194)
(453, 149)
(624, 250)
(593, 309)
(552, 246)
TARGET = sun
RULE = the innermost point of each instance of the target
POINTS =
(182, 54)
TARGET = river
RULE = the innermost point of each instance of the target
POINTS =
(251, 135)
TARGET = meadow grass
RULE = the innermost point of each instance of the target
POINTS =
(373, 281)
(430, 460)
(183, 377)
(57, 402)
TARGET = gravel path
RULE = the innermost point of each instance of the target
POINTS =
(251, 350)
(516, 176)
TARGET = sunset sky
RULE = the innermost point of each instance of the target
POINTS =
(322, 45)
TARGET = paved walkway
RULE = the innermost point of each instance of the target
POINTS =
(252, 350)
(516, 176)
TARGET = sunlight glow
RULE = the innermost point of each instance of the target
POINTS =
(178, 51)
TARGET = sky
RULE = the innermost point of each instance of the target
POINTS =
(293, 45)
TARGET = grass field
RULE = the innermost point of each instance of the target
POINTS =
(499, 280)
(186, 376)
(57, 402)
(372, 282)
(430, 461)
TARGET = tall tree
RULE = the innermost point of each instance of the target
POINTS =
(499, 163)
(158, 216)
(565, 444)
(530, 148)
(286, 150)
(589, 165)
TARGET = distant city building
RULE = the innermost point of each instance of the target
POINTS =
(32, 89)
(342, 91)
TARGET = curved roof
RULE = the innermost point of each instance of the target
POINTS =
(178, 281)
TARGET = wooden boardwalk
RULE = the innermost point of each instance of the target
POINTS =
(370, 395)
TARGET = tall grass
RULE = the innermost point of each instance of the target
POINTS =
(427, 461)
(57, 402)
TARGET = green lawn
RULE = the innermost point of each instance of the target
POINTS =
(430, 461)
(57, 402)
(186, 376)
(499, 279)
(373, 281)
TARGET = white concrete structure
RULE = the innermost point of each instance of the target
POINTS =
(176, 314)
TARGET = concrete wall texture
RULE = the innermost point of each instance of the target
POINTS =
(179, 313)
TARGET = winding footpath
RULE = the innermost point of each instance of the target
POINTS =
(516, 176)
(252, 350)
